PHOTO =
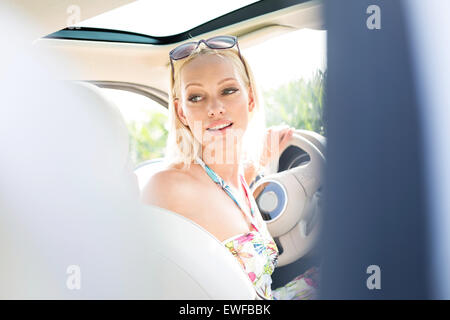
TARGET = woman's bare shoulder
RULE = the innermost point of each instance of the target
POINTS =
(168, 179)
(170, 188)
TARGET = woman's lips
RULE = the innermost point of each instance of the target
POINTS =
(220, 131)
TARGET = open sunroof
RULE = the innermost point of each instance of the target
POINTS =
(162, 18)
(167, 21)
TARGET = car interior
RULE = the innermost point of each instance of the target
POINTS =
(116, 236)
(73, 161)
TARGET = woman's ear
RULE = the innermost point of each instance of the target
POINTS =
(180, 112)
(251, 100)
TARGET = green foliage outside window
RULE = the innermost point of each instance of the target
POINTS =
(298, 104)
(148, 137)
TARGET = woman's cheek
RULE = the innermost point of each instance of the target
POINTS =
(196, 125)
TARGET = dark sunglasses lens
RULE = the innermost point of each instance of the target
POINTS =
(183, 51)
(221, 42)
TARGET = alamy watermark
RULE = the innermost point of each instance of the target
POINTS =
(374, 280)
(73, 281)
(74, 17)
(223, 146)
(373, 22)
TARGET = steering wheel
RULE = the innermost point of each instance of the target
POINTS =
(289, 201)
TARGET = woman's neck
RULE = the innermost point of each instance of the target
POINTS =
(227, 170)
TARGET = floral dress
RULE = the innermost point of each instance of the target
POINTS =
(257, 253)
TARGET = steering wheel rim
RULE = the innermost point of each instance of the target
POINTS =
(300, 187)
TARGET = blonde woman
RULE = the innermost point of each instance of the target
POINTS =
(217, 143)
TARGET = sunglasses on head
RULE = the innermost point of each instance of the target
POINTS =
(218, 42)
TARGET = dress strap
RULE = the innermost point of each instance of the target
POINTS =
(219, 181)
(244, 184)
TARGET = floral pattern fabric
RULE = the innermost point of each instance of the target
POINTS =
(257, 254)
(303, 287)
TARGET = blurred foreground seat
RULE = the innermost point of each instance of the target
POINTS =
(71, 224)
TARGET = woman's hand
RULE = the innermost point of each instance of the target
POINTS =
(277, 138)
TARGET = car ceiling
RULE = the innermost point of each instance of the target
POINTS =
(48, 16)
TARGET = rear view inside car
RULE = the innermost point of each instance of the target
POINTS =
(86, 122)
(124, 68)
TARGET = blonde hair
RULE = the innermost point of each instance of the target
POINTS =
(182, 147)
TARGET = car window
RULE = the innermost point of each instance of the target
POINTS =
(290, 70)
(146, 120)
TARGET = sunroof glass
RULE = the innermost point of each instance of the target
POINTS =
(162, 18)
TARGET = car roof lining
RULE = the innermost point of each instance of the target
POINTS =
(47, 16)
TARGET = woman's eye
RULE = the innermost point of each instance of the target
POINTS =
(229, 91)
(194, 98)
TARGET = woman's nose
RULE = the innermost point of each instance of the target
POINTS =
(216, 108)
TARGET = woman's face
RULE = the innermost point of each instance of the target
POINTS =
(215, 103)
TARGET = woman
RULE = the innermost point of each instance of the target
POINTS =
(215, 150)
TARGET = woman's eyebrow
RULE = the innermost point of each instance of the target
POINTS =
(199, 84)
(193, 84)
